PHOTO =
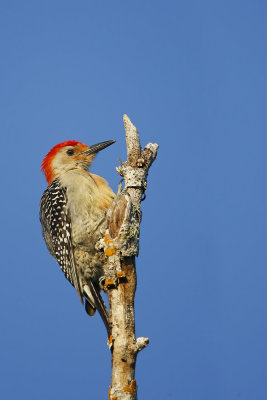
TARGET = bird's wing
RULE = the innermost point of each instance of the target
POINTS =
(56, 224)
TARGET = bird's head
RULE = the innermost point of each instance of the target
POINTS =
(70, 155)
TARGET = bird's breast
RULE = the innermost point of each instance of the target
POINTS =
(88, 199)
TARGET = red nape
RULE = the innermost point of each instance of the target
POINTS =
(46, 164)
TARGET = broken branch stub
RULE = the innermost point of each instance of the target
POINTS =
(132, 141)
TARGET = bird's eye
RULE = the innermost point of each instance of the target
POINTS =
(70, 152)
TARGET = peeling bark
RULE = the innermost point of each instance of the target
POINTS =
(121, 246)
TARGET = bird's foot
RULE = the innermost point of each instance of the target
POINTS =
(111, 282)
(107, 283)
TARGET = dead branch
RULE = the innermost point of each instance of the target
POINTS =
(121, 246)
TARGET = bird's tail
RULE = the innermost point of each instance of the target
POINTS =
(93, 301)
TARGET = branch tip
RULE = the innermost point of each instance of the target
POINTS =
(141, 343)
(132, 141)
(152, 147)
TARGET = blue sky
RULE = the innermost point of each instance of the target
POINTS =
(192, 76)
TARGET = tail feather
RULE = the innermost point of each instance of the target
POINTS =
(94, 301)
(89, 308)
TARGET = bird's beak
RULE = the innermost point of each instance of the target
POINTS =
(97, 147)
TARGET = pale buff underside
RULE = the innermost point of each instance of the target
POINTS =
(89, 196)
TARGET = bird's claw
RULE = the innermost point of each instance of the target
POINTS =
(112, 282)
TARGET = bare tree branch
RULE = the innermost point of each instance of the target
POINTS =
(121, 246)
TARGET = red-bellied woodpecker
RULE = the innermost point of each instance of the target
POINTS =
(73, 215)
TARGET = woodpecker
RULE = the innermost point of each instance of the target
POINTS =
(73, 215)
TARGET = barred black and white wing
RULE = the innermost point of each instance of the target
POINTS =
(56, 225)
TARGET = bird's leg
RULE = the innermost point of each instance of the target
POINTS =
(107, 283)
